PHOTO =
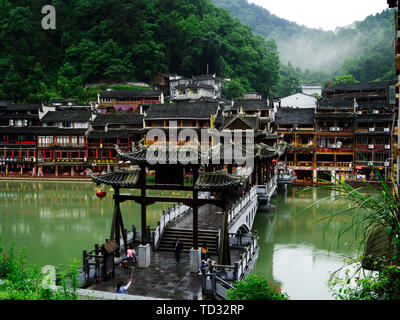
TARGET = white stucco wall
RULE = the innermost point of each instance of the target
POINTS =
(299, 100)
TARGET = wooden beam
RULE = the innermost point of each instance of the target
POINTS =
(151, 200)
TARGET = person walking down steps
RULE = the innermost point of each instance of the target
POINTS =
(178, 247)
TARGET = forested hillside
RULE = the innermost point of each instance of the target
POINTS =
(363, 50)
(114, 40)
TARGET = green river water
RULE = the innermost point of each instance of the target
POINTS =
(56, 221)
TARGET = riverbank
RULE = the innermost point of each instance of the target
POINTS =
(45, 179)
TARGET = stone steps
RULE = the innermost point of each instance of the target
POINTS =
(186, 236)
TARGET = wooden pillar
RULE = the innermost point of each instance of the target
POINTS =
(224, 255)
(195, 210)
(114, 221)
(143, 203)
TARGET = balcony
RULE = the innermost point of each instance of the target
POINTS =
(373, 147)
(373, 130)
(342, 149)
(337, 129)
(107, 145)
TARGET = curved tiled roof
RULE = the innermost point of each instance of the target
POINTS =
(117, 179)
(53, 116)
(130, 93)
(295, 115)
(355, 87)
(252, 104)
(219, 180)
(182, 111)
(126, 118)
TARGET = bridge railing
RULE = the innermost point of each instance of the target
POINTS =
(169, 216)
(237, 209)
(220, 278)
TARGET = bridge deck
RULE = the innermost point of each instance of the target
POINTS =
(210, 218)
(164, 279)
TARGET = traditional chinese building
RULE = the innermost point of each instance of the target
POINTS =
(191, 89)
(396, 133)
(108, 131)
(297, 127)
(374, 139)
(18, 128)
(136, 101)
(335, 139)
(195, 116)
(252, 107)
(61, 143)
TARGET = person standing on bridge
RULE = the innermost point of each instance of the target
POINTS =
(178, 247)
(204, 251)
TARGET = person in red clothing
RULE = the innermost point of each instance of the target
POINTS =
(130, 254)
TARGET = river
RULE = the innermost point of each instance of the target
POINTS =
(55, 222)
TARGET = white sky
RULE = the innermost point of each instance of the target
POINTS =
(324, 14)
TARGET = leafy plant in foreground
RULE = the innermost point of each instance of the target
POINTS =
(370, 209)
(255, 287)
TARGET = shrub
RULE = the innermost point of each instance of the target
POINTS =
(22, 281)
(255, 287)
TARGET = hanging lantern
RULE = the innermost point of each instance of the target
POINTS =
(101, 194)
(274, 161)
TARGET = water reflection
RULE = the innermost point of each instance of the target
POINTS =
(56, 221)
(297, 252)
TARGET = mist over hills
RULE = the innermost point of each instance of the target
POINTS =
(316, 49)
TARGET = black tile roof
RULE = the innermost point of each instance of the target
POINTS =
(335, 103)
(59, 131)
(117, 179)
(78, 116)
(130, 93)
(251, 121)
(112, 134)
(126, 118)
(295, 116)
(195, 86)
(219, 181)
(20, 130)
(8, 106)
(182, 111)
(355, 87)
(374, 105)
(252, 104)
(42, 130)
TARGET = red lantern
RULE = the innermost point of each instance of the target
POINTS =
(101, 194)
(274, 161)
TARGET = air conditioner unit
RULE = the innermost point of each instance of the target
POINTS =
(359, 112)
(375, 111)
(11, 122)
(370, 146)
(370, 163)
(387, 146)
(386, 129)
(332, 129)
(386, 164)
(371, 129)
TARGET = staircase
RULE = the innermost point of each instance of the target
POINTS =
(186, 236)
